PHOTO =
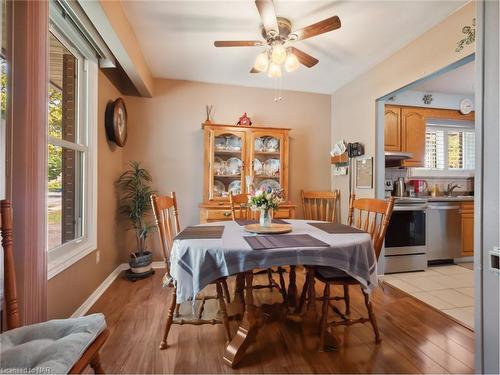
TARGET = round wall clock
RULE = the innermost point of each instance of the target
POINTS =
(466, 106)
(116, 122)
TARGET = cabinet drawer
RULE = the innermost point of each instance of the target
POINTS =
(216, 215)
(282, 213)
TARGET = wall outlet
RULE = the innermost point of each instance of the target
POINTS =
(97, 256)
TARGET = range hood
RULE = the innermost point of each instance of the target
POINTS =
(397, 156)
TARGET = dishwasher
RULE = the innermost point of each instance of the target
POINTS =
(443, 230)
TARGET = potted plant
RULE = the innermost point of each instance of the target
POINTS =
(135, 204)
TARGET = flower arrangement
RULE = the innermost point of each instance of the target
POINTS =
(265, 201)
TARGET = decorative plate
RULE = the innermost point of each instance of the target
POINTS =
(272, 229)
(258, 144)
(235, 187)
(272, 167)
(233, 166)
(220, 143)
(219, 166)
(233, 143)
(257, 167)
(272, 144)
(219, 188)
(273, 184)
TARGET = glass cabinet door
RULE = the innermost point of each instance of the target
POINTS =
(227, 164)
(266, 158)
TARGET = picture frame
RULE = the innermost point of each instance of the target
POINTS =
(364, 173)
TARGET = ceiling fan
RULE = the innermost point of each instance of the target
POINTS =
(277, 33)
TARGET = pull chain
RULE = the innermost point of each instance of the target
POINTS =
(277, 90)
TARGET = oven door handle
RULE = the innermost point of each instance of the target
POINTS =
(437, 207)
(412, 207)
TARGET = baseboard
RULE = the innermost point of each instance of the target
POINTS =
(89, 302)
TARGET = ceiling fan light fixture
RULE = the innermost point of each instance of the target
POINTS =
(274, 70)
(291, 62)
(261, 62)
(278, 53)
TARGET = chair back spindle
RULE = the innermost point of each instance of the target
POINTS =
(372, 216)
(11, 304)
(320, 205)
(240, 209)
(167, 219)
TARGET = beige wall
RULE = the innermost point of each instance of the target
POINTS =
(69, 289)
(353, 106)
(165, 134)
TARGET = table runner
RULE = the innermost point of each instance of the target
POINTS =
(195, 263)
(279, 241)
(201, 232)
(334, 228)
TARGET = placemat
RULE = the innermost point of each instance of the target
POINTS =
(246, 222)
(283, 241)
(201, 232)
(334, 228)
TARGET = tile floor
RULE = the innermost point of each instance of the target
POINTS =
(448, 288)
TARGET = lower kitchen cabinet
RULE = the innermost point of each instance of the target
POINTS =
(467, 217)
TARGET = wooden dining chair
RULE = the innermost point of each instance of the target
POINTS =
(71, 344)
(167, 219)
(320, 205)
(240, 209)
(372, 216)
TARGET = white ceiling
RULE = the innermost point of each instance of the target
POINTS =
(459, 81)
(177, 38)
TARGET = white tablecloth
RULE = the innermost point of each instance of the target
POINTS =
(196, 263)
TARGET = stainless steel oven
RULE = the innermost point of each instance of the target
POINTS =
(406, 237)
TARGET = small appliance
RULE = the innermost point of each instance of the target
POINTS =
(420, 186)
(400, 187)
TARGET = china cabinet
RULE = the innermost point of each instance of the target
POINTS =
(238, 157)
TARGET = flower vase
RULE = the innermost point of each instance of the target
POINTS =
(266, 217)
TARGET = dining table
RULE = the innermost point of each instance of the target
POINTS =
(196, 260)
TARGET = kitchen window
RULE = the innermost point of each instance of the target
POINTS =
(449, 151)
(72, 146)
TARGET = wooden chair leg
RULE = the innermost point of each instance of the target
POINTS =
(226, 291)
(347, 299)
(324, 317)
(95, 363)
(270, 278)
(282, 283)
(222, 306)
(303, 295)
(170, 317)
(371, 315)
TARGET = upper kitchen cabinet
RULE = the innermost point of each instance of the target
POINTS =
(404, 131)
(392, 129)
(413, 130)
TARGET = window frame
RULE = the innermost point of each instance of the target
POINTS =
(65, 255)
(446, 171)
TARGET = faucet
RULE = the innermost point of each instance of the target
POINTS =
(449, 189)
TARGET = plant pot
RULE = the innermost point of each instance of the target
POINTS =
(141, 262)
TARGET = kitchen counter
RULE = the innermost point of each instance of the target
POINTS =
(459, 198)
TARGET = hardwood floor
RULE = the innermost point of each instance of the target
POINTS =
(415, 338)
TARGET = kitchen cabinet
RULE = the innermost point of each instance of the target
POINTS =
(392, 129)
(413, 129)
(404, 131)
(467, 219)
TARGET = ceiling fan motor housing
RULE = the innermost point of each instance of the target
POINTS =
(285, 28)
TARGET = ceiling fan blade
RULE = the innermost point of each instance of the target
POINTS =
(253, 70)
(304, 58)
(267, 15)
(238, 43)
(321, 27)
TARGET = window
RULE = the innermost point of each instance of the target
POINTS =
(72, 158)
(449, 150)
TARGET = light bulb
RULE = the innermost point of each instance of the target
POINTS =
(274, 71)
(291, 62)
(278, 54)
(261, 62)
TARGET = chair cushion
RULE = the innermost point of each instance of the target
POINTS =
(334, 274)
(50, 347)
